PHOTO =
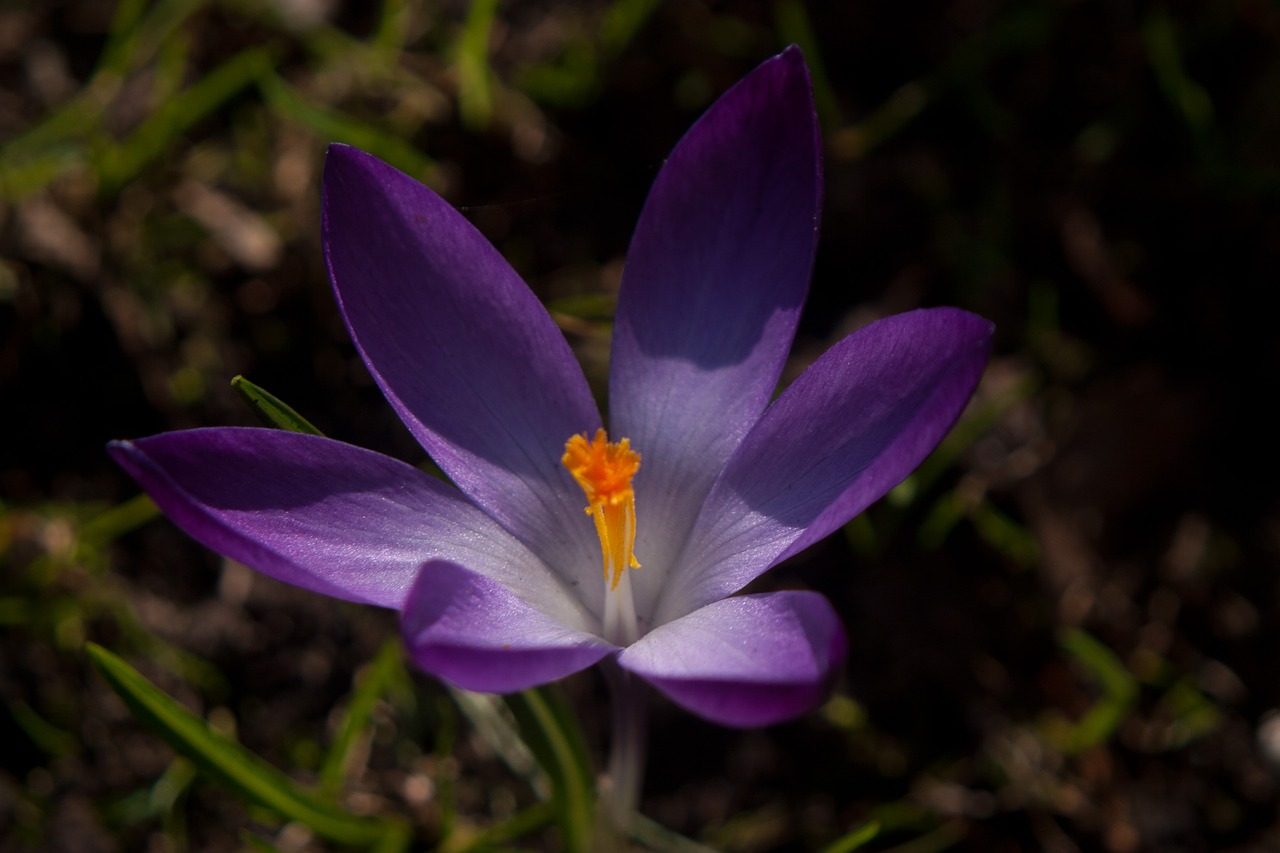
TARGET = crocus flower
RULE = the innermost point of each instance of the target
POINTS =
(705, 484)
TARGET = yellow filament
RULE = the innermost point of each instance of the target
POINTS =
(604, 471)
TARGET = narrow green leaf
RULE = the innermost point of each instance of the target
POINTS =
(446, 789)
(374, 684)
(57, 138)
(585, 306)
(118, 164)
(335, 126)
(491, 721)
(570, 80)
(572, 77)
(518, 825)
(555, 738)
(273, 411)
(393, 28)
(1115, 680)
(227, 762)
(1005, 534)
(23, 174)
(475, 77)
(1165, 56)
(655, 836)
(113, 523)
(123, 24)
(51, 739)
(622, 21)
(854, 838)
(170, 787)
(134, 38)
(259, 844)
(1119, 691)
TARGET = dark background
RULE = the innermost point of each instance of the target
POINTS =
(1063, 630)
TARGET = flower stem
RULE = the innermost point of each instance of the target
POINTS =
(620, 789)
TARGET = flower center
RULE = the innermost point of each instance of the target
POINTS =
(604, 470)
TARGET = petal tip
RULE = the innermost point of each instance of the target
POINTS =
(342, 160)
(793, 58)
(788, 72)
(964, 327)
(983, 331)
(125, 453)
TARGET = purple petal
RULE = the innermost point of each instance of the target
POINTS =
(464, 351)
(475, 633)
(715, 279)
(327, 516)
(753, 660)
(852, 427)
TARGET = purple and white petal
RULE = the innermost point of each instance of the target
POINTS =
(714, 282)
(475, 633)
(852, 427)
(753, 660)
(465, 353)
(328, 516)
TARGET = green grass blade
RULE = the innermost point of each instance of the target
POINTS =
(1111, 675)
(253, 842)
(855, 838)
(393, 29)
(23, 174)
(273, 411)
(622, 22)
(655, 836)
(475, 77)
(334, 126)
(518, 825)
(1165, 57)
(1119, 692)
(120, 519)
(491, 721)
(230, 764)
(135, 38)
(553, 735)
(51, 740)
(374, 684)
(120, 163)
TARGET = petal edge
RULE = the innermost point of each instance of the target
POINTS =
(748, 661)
(463, 350)
(326, 516)
(715, 279)
(475, 633)
(849, 429)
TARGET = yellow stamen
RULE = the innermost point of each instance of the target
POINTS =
(604, 471)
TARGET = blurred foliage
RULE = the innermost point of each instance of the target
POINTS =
(1062, 625)
(221, 757)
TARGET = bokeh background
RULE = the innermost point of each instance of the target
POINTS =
(1064, 628)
